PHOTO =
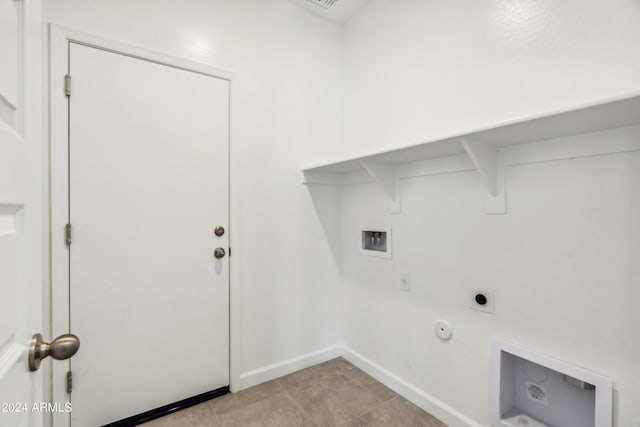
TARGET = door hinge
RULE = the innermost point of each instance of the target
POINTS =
(69, 382)
(67, 234)
(67, 84)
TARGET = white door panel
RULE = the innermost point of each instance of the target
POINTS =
(21, 214)
(148, 184)
(11, 25)
(8, 272)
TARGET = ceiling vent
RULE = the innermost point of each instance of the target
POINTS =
(337, 11)
(325, 4)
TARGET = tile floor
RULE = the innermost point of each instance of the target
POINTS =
(334, 393)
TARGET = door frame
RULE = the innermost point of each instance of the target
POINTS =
(59, 39)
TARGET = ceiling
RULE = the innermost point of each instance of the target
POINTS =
(338, 11)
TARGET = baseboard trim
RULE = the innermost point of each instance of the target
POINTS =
(422, 399)
(277, 370)
(435, 407)
(169, 409)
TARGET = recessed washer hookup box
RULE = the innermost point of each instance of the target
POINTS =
(530, 389)
(375, 241)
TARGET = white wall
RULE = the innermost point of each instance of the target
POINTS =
(560, 261)
(417, 69)
(286, 99)
(563, 259)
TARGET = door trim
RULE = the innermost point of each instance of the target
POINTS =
(59, 39)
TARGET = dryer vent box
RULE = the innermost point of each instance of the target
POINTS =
(533, 390)
(376, 241)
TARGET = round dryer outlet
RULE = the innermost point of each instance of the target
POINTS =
(443, 330)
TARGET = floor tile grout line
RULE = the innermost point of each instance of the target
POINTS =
(215, 411)
(217, 417)
(323, 372)
(343, 373)
(295, 401)
(365, 386)
(380, 405)
(353, 379)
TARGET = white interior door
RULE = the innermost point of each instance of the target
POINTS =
(148, 184)
(21, 210)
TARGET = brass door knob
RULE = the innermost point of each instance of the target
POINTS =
(219, 253)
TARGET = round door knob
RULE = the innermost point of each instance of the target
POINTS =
(219, 253)
(61, 348)
(219, 231)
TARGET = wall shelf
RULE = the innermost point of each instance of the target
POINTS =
(482, 146)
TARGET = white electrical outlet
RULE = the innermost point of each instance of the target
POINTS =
(405, 282)
(482, 300)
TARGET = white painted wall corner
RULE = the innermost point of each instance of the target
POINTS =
(422, 399)
(418, 397)
(277, 370)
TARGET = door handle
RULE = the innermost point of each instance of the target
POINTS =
(61, 348)
(219, 253)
